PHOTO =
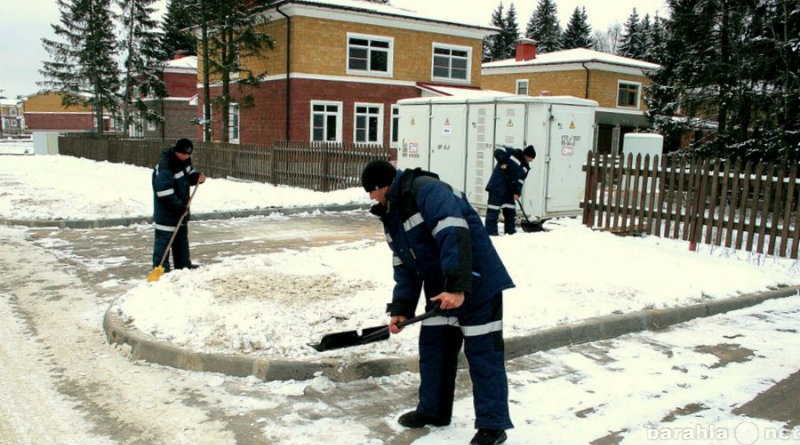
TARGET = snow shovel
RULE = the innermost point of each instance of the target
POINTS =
(346, 339)
(159, 270)
(528, 225)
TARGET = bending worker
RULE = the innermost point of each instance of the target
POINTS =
(439, 246)
(505, 186)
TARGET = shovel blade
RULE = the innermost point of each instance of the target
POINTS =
(533, 226)
(346, 339)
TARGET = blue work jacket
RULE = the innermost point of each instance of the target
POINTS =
(509, 179)
(172, 179)
(438, 243)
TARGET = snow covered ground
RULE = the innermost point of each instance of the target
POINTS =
(622, 388)
(567, 274)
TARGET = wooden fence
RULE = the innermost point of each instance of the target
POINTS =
(311, 165)
(718, 203)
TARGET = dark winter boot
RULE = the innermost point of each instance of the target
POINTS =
(489, 437)
(413, 419)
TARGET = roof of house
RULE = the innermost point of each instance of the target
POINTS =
(576, 55)
(187, 64)
(381, 9)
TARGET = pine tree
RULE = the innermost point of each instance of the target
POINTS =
(233, 34)
(494, 45)
(82, 65)
(143, 64)
(634, 38)
(502, 45)
(543, 27)
(177, 38)
(578, 33)
(511, 31)
(734, 68)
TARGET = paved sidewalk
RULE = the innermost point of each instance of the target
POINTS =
(144, 347)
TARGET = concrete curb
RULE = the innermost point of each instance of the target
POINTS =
(113, 222)
(144, 347)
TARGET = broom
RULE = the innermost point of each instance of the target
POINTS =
(159, 270)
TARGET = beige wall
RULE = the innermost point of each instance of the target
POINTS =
(602, 84)
(50, 102)
(319, 47)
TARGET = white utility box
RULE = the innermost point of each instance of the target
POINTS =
(643, 144)
(455, 137)
(45, 142)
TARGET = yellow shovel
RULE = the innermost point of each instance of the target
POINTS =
(159, 270)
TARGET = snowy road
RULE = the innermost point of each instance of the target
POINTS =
(63, 384)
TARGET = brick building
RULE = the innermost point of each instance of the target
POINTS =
(338, 68)
(179, 108)
(44, 111)
(616, 83)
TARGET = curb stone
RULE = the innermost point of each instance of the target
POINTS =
(144, 347)
(113, 222)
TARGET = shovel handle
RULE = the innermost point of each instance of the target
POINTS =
(379, 333)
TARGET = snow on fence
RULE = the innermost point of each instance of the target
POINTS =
(714, 202)
(320, 166)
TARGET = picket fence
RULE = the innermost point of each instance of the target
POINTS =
(312, 165)
(751, 207)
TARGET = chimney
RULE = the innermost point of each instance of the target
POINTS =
(526, 49)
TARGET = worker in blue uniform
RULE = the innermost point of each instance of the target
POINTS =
(505, 186)
(172, 178)
(439, 246)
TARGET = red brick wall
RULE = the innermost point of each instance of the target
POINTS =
(180, 85)
(265, 122)
(59, 121)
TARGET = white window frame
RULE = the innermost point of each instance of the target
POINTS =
(234, 131)
(451, 57)
(369, 71)
(628, 86)
(394, 129)
(374, 113)
(326, 114)
(523, 87)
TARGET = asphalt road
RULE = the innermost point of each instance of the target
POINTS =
(62, 383)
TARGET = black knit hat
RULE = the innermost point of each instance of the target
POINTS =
(529, 152)
(377, 174)
(184, 146)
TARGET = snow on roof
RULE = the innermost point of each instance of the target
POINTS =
(576, 55)
(464, 92)
(385, 8)
(182, 64)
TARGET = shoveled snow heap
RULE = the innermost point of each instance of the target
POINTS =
(274, 304)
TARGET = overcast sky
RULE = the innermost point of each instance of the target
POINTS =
(23, 24)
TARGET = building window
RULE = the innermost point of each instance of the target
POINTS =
(628, 94)
(152, 125)
(522, 87)
(369, 55)
(326, 121)
(395, 126)
(451, 62)
(368, 123)
(233, 123)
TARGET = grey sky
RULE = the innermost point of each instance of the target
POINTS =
(23, 23)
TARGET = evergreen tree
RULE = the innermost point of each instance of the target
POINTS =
(177, 38)
(734, 67)
(578, 33)
(494, 46)
(511, 31)
(543, 27)
(502, 45)
(143, 64)
(634, 38)
(82, 65)
(233, 33)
